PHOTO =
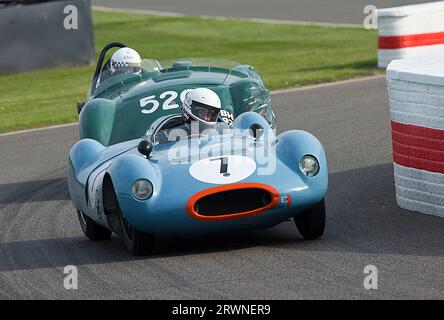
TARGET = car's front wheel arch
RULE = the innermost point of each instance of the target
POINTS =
(137, 242)
(111, 205)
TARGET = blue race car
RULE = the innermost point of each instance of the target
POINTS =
(241, 178)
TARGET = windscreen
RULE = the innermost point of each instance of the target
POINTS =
(152, 65)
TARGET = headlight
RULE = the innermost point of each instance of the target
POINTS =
(309, 166)
(142, 189)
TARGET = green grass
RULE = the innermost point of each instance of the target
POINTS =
(285, 56)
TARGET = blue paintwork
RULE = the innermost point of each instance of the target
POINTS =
(164, 212)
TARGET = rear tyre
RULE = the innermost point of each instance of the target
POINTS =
(92, 230)
(138, 243)
(311, 223)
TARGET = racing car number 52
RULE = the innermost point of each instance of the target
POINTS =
(168, 98)
(151, 104)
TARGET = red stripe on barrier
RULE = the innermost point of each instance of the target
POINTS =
(417, 141)
(418, 131)
(416, 163)
(418, 147)
(419, 152)
(414, 40)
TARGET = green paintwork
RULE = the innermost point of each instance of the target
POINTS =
(114, 112)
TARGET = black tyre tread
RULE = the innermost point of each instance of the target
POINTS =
(311, 223)
(94, 231)
(141, 244)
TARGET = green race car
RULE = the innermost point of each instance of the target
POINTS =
(122, 107)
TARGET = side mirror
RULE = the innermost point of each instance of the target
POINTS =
(145, 147)
(80, 105)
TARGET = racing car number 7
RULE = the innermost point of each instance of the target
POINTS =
(223, 165)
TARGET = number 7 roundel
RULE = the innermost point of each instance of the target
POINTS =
(223, 170)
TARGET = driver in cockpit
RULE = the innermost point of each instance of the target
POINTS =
(123, 61)
(200, 113)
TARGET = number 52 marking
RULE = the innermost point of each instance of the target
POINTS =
(151, 104)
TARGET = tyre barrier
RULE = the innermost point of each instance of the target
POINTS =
(416, 97)
(410, 31)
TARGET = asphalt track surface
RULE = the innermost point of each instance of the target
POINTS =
(325, 11)
(40, 234)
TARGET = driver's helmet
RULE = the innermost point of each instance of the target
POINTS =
(125, 60)
(201, 105)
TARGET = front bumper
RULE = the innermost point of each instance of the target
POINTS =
(169, 214)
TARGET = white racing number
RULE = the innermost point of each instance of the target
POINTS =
(150, 104)
(223, 170)
(170, 100)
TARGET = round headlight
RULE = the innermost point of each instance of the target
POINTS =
(309, 166)
(142, 189)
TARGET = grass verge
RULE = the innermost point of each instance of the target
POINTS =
(285, 56)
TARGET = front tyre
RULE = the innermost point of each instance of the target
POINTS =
(92, 230)
(137, 242)
(311, 223)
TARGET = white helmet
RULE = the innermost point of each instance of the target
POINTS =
(125, 60)
(201, 104)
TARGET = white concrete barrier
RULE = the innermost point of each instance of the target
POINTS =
(410, 31)
(416, 96)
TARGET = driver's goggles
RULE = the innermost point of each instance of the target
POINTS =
(204, 112)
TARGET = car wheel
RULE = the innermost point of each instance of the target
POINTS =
(138, 243)
(311, 223)
(92, 230)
